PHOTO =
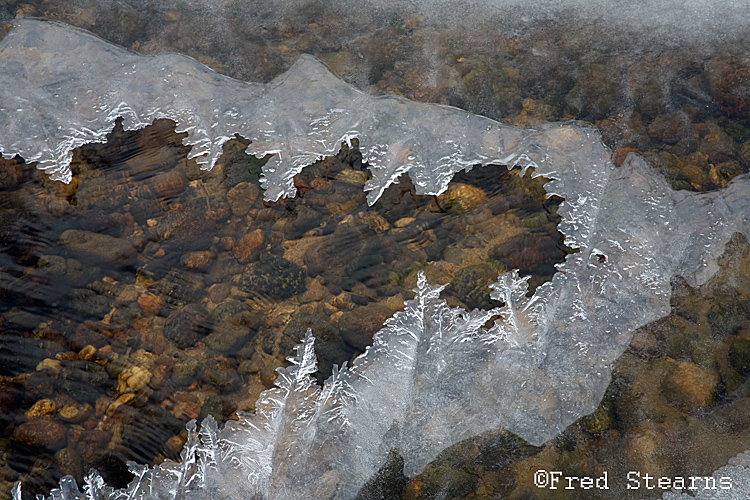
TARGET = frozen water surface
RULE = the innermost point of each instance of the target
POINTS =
(435, 375)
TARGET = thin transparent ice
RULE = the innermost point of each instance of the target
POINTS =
(435, 375)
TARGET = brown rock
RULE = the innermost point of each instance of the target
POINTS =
(74, 435)
(731, 89)
(246, 248)
(690, 387)
(218, 211)
(621, 154)
(133, 379)
(643, 340)
(150, 303)
(263, 364)
(198, 260)
(91, 443)
(161, 370)
(670, 128)
(128, 294)
(218, 292)
(241, 197)
(527, 251)
(40, 383)
(11, 173)
(41, 408)
(90, 423)
(54, 365)
(174, 445)
(98, 249)
(75, 413)
(66, 189)
(69, 462)
(87, 353)
(167, 184)
(354, 177)
(315, 292)
(119, 403)
(42, 432)
(227, 243)
(188, 227)
(221, 373)
(172, 16)
(150, 159)
(187, 409)
(404, 221)
(745, 151)
(101, 405)
(360, 324)
(90, 333)
(461, 197)
(642, 450)
(231, 332)
(66, 356)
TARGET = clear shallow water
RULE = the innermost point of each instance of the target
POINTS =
(693, 130)
(174, 312)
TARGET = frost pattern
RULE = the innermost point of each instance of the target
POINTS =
(434, 375)
(738, 471)
(61, 88)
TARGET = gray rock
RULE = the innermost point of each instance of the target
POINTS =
(98, 249)
(276, 277)
(232, 332)
(52, 264)
(186, 326)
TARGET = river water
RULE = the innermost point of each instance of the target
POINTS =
(147, 292)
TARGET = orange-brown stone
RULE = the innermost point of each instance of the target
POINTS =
(150, 303)
(248, 246)
(167, 184)
(198, 260)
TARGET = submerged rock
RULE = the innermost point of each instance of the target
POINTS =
(275, 277)
(167, 184)
(181, 287)
(739, 356)
(460, 198)
(360, 324)
(98, 249)
(731, 88)
(69, 462)
(187, 325)
(232, 332)
(690, 387)
(472, 285)
(42, 432)
(89, 304)
(52, 264)
(248, 246)
(242, 197)
(199, 261)
(41, 408)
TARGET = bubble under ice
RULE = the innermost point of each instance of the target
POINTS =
(434, 375)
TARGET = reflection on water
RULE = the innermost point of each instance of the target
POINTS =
(147, 292)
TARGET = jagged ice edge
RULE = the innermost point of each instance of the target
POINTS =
(61, 88)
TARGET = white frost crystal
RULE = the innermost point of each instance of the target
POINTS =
(434, 374)
(731, 482)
